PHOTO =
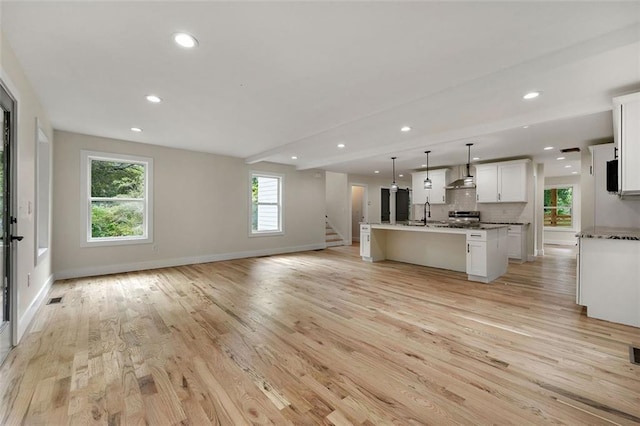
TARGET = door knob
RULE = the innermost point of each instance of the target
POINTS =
(16, 237)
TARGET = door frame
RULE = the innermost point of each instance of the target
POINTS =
(14, 94)
(365, 205)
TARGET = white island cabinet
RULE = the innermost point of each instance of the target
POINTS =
(480, 253)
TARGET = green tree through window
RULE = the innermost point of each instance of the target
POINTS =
(558, 207)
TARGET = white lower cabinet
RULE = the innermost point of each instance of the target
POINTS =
(477, 258)
(365, 241)
(517, 242)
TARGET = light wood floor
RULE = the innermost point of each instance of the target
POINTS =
(319, 338)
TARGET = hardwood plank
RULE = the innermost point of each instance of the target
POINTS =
(321, 338)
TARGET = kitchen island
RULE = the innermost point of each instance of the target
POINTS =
(480, 252)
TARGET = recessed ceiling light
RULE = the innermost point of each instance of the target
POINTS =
(185, 40)
(136, 129)
(476, 158)
(574, 173)
(153, 99)
(531, 95)
(548, 148)
(400, 175)
(424, 165)
(405, 129)
(293, 157)
(341, 145)
(560, 158)
(377, 171)
(568, 166)
(525, 127)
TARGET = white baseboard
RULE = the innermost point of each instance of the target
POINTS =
(27, 317)
(531, 258)
(561, 242)
(540, 252)
(167, 263)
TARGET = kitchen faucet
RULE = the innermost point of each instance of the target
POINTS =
(426, 212)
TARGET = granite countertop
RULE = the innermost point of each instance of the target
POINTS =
(610, 233)
(506, 223)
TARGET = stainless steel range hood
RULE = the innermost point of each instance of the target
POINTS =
(460, 182)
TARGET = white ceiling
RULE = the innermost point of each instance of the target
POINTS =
(274, 79)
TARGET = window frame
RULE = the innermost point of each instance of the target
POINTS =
(573, 219)
(85, 199)
(280, 204)
(42, 197)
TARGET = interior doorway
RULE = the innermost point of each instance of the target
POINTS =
(358, 209)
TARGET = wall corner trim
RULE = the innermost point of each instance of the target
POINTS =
(168, 263)
(30, 313)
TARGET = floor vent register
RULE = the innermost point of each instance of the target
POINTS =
(54, 300)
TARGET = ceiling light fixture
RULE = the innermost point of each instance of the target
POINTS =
(376, 171)
(405, 129)
(560, 158)
(293, 157)
(548, 148)
(394, 185)
(427, 182)
(525, 127)
(476, 158)
(568, 166)
(153, 99)
(185, 40)
(400, 175)
(341, 145)
(468, 179)
(574, 173)
(531, 95)
(136, 129)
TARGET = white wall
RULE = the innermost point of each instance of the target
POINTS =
(566, 236)
(28, 294)
(201, 208)
(337, 201)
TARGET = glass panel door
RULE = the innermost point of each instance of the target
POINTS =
(5, 299)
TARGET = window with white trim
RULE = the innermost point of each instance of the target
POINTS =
(43, 193)
(266, 204)
(558, 207)
(117, 205)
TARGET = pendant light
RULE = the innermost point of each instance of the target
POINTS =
(468, 179)
(394, 185)
(427, 182)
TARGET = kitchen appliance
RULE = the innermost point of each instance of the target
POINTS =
(612, 176)
(464, 219)
(466, 181)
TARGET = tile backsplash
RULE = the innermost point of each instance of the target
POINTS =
(465, 199)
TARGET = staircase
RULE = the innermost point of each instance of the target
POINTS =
(331, 236)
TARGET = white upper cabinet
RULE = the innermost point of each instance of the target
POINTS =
(439, 179)
(486, 183)
(418, 193)
(436, 195)
(626, 121)
(504, 182)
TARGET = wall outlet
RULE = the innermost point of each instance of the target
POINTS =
(28, 280)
